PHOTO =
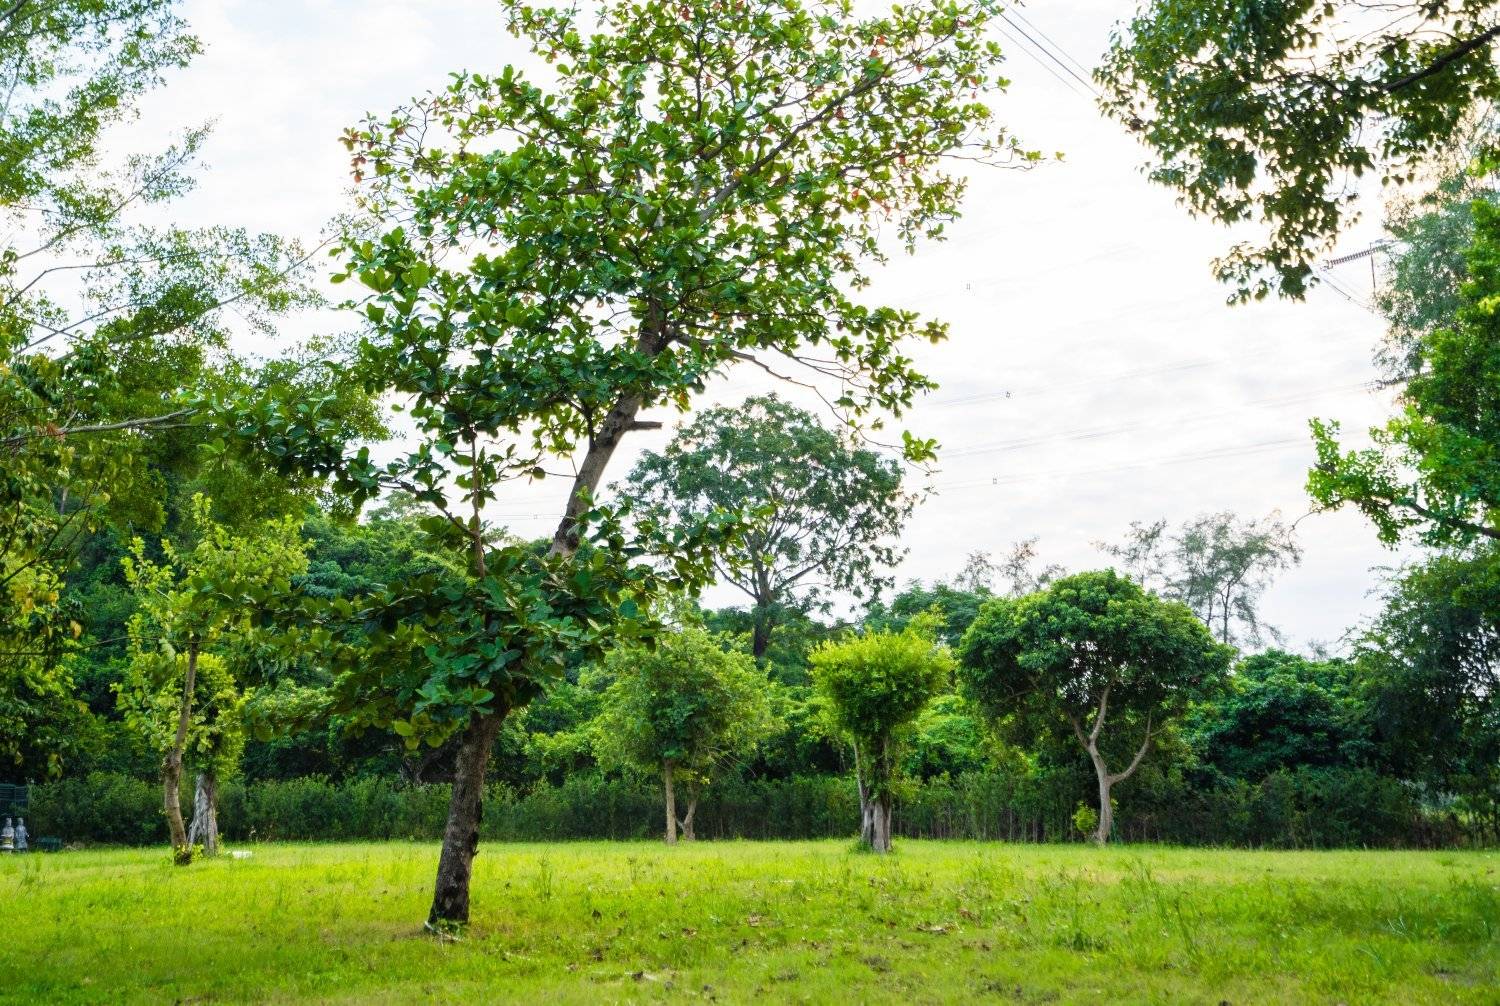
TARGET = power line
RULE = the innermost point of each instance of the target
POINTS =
(1016, 12)
(1041, 62)
(1208, 455)
(1004, 16)
(1095, 433)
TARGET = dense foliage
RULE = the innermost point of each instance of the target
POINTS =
(1270, 112)
(683, 710)
(833, 509)
(876, 684)
(1090, 646)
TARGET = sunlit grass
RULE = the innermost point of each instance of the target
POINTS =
(736, 922)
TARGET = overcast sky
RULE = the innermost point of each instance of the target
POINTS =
(1094, 375)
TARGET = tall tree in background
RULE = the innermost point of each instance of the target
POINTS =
(834, 508)
(682, 711)
(1270, 112)
(698, 188)
(1434, 472)
(1090, 647)
(1218, 564)
(108, 327)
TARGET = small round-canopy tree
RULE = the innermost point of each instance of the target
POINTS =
(1090, 645)
(682, 709)
(875, 684)
(835, 507)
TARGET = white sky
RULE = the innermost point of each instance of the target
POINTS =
(1078, 287)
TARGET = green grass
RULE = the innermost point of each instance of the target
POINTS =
(740, 922)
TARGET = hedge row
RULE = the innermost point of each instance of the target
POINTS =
(1304, 809)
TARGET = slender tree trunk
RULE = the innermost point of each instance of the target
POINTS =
(450, 898)
(171, 766)
(204, 830)
(880, 831)
(687, 822)
(1090, 742)
(1106, 809)
(866, 804)
(671, 793)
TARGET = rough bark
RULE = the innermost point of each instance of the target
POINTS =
(671, 793)
(687, 821)
(874, 799)
(880, 825)
(450, 898)
(761, 639)
(171, 766)
(765, 598)
(204, 830)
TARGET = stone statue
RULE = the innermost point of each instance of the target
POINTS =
(7, 837)
(21, 834)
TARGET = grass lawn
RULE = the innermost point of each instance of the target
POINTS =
(741, 922)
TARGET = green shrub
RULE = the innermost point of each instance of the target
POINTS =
(1307, 808)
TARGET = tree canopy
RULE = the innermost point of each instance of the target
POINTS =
(680, 711)
(1434, 469)
(876, 683)
(1272, 113)
(1089, 646)
(1218, 564)
(834, 509)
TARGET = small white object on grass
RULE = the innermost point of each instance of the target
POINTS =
(241, 854)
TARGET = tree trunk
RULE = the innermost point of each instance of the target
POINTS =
(880, 834)
(760, 640)
(1090, 742)
(874, 800)
(671, 791)
(866, 805)
(450, 898)
(204, 830)
(1106, 810)
(687, 822)
(171, 766)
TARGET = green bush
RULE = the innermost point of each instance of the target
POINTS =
(1307, 808)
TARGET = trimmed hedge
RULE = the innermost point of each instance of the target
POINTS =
(1310, 808)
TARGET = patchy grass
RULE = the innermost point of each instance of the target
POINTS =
(738, 922)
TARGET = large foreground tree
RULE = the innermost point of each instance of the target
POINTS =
(699, 186)
(835, 507)
(1271, 112)
(1090, 647)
